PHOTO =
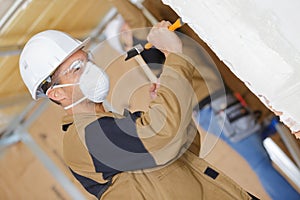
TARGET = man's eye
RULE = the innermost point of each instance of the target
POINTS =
(75, 64)
(76, 68)
(79, 66)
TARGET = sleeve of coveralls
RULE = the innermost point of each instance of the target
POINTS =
(162, 128)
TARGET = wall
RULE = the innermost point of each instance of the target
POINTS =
(257, 40)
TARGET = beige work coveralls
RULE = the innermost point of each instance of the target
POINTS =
(164, 134)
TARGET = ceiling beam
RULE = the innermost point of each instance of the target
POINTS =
(10, 12)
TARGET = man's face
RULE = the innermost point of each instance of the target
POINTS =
(66, 75)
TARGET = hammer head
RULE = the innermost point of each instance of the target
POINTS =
(134, 51)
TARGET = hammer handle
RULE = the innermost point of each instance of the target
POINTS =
(146, 68)
(177, 24)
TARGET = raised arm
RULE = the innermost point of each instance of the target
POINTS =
(153, 138)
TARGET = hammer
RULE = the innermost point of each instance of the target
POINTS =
(136, 52)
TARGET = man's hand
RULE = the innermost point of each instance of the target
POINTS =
(164, 39)
(153, 89)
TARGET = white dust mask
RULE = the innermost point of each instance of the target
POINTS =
(93, 83)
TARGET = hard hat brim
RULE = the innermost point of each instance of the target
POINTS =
(81, 46)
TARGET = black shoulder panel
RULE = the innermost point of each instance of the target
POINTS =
(93, 187)
(114, 143)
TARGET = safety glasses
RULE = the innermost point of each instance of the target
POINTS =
(75, 68)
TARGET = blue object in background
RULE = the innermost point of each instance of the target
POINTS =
(252, 150)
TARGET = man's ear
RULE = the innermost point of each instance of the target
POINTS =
(56, 94)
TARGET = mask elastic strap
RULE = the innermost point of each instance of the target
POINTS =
(76, 103)
(60, 86)
(68, 85)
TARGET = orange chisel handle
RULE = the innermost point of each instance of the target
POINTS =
(177, 24)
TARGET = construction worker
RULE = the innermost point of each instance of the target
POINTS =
(142, 155)
(238, 125)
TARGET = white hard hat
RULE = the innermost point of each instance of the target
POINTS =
(42, 54)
